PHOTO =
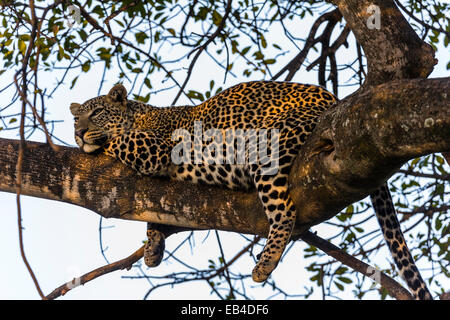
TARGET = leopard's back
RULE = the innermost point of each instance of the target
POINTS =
(290, 108)
(259, 104)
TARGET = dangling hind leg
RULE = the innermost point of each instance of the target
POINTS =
(155, 245)
(387, 218)
(279, 208)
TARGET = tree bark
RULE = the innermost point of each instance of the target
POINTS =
(356, 146)
(392, 49)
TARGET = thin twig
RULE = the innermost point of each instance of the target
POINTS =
(294, 65)
(201, 48)
(125, 263)
(20, 156)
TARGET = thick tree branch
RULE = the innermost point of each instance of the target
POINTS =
(372, 134)
(394, 51)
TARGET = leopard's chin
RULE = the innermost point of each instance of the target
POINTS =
(90, 148)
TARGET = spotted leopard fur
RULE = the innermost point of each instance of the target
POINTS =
(141, 136)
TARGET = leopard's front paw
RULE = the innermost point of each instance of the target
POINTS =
(154, 248)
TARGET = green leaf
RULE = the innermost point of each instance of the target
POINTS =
(258, 55)
(55, 30)
(202, 13)
(341, 270)
(345, 279)
(86, 66)
(22, 47)
(440, 160)
(172, 31)
(141, 37)
(195, 95)
(25, 37)
(349, 209)
(83, 34)
(157, 36)
(73, 82)
(438, 224)
(263, 41)
(414, 162)
(144, 99)
(340, 286)
(245, 50)
(147, 83)
(216, 17)
(60, 53)
(8, 42)
(276, 46)
(158, 15)
(360, 230)
(269, 61)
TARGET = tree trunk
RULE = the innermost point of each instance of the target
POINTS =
(392, 48)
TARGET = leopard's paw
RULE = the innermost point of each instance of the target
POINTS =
(154, 248)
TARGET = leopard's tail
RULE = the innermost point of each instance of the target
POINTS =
(390, 226)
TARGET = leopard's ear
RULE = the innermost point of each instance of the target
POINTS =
(118, 93)
(74, 107)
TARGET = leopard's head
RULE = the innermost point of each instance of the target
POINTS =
(101, 119)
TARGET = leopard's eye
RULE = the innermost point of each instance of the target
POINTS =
(96, 112)
(75, 119)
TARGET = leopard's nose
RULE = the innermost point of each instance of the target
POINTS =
(80, 133)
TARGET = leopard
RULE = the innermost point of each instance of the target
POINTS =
(233, 124)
